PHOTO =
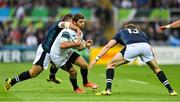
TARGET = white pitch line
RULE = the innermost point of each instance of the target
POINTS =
(137, 81)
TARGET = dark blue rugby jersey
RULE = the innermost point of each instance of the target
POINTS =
(129, 36)
(51, 35)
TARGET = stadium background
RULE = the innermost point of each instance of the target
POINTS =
(23, 24)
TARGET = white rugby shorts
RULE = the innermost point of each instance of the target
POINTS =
(142, 50)
(42, 58)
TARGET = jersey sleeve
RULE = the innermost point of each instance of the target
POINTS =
(116, 37)
(65, 37)
(145, 36)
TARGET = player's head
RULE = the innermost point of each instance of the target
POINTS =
(68, 17)
(131, 26)
(79, 20)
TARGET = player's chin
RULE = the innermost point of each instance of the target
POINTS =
(82, 27)
(88, 45)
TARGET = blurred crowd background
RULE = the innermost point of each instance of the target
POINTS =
(23, 26)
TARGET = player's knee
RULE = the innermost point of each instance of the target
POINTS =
(35, 71)
(110, 65)
(73, 73)
(84, 66)
(156, 69)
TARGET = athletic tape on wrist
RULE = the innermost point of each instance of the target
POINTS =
(168, 26)
(97, 58)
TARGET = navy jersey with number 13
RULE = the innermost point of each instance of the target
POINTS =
(129, 36)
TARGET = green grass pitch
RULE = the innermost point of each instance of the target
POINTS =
(131, 83)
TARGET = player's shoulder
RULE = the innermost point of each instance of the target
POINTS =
(124, 29)
(121, 31)
(142, 32)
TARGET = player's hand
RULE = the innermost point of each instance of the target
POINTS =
(161, 29)
(89, 43)
(78, 42)
(92, 63)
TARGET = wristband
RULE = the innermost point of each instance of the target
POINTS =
(97, 58)
(66, 24)
(168, 26)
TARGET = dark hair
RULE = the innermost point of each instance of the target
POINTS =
(67, 16)
(131, 26)
(77, 16)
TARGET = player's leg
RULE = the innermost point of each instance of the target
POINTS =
(41, 59)
(73, 76)
(52, 77)
(83, 68)
(148, 57)
(115, 61)
(68, 67)
(79, 61)
(33, 72)
(161, 76)
(73, 80)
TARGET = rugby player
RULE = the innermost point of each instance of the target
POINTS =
(63, 55)
(42, 57)
(136, 45)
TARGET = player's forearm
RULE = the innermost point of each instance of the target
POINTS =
(64, 24)
(72, 26)
(68, 25)
(65, 45)
(175, 24)
(104, 50)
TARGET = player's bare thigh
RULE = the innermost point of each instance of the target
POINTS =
(81, 62)
(117, 60)
(154, 66)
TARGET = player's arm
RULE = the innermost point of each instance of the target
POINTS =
(85, 44)
(66, 43)
(103, 51)
(106, 48)
(71, 26)
(175, 24)
(82, 45)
